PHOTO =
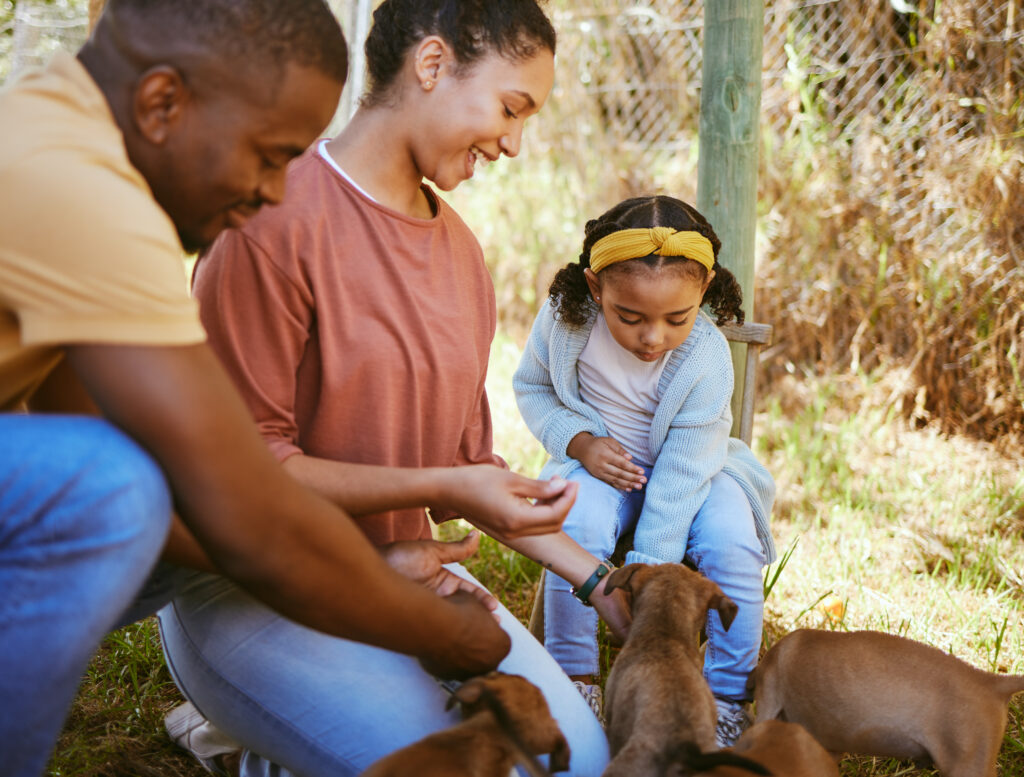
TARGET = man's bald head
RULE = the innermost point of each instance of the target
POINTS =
(214, 97)
(265, 34)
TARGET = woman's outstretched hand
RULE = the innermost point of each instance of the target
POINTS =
(423, 562)
(506, 505)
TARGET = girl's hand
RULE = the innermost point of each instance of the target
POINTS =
(422, 561)
(607, 460)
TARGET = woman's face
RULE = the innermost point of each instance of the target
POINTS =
(477, 115)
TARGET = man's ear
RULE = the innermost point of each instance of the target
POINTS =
(158, 102)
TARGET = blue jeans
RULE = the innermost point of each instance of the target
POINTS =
(723, 545)
(84, 513)
(305, 703)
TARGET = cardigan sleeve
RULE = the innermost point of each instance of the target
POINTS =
(694, 450)
(542, 397)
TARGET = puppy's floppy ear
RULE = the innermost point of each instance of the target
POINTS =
(467, 693)
(622, 578)
(726, 608)
(559, 759)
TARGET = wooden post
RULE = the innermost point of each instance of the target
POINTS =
(359, 20)
(95, 9)
(730, 107)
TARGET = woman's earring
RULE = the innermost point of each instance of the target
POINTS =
(428, 85)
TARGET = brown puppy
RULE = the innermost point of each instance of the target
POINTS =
(505, 721)
(656, 693)
(770, 747)
(879, 694)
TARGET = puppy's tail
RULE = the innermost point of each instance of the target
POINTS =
(1009, 684)
(692, 760)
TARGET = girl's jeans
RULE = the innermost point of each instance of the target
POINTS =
(724, 546)
(84, 513)
(305, 703)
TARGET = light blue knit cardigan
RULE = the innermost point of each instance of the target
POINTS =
(689, 431)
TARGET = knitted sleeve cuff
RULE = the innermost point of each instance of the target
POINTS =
(635, 557)
(559, 434)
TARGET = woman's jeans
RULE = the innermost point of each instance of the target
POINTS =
(723, 545)
(305, 703)
(84, 513)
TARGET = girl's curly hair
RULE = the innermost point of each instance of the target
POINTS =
(570, 294)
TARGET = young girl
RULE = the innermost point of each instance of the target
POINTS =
(627, 384)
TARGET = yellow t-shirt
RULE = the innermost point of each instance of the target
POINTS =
(86, 253)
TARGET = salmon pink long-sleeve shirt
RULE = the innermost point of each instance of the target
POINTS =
(354, 332)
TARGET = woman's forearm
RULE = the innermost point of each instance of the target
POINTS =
(361, 489)
(558, 553)
(561, 554)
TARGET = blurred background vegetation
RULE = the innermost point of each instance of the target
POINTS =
(890, 262)
(891, 175)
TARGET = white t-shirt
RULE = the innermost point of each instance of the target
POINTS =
(623, 389)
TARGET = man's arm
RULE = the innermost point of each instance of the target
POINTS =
(63, 392)
(279, 541)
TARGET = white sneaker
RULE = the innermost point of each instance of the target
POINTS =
(190, 731)
(594, 696)
(732, 721)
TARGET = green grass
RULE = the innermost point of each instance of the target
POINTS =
(116, 724)
(914, 533)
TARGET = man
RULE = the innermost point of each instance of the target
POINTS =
(176, 120)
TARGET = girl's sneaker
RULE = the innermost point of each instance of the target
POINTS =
(732, 721)
(594, 696)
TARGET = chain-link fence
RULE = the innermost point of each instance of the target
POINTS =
(30, 32)
(893, 80)
(890, 184)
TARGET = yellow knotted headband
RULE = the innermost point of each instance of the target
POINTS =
(664, 241)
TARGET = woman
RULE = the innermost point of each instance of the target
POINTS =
(356, 319)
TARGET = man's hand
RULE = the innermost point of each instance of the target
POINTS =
(423, 560)
(607, 460)
(506, 505)
(479, 644)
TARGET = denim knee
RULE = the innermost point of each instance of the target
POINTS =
(84, 513)
(599, 515)
(86, 477)
(134, 492)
